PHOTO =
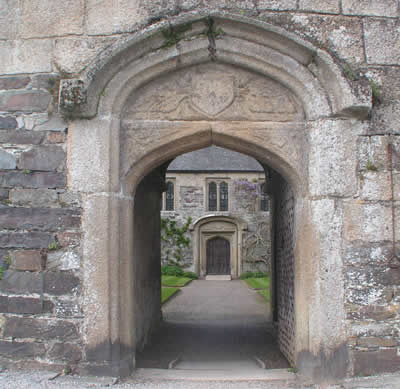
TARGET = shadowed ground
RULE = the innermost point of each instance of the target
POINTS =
(214, 323)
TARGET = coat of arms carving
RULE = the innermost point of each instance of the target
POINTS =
(212, 95)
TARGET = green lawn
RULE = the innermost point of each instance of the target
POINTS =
(174, 281)
(258, 283)
(166, 293)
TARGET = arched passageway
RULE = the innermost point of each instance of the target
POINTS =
(263, 93)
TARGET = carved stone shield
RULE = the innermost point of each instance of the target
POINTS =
(212, 94)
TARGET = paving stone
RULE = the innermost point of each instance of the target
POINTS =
(28, 240)
(45, 158)
(21, 137)
(47, 219)
(26, 260)
(33, 180)
(14, 82)
(24, 101)
(34, 197)
(66, 352)
(381, 41)
(7, 161)
(18, 350)
(61, 283)
(7, 122)
(373, 8)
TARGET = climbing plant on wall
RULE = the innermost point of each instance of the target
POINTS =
(175, 239)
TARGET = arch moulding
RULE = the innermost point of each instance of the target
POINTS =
(124, 148)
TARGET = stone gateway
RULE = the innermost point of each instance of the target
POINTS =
(96, 100)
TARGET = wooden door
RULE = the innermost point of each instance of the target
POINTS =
(218, 256)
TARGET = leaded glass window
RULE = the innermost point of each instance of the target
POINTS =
(212, 196)
(223, 196)
(169, 197)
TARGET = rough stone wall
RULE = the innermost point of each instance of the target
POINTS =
(191, 201)
(43, 40)
(40, 219)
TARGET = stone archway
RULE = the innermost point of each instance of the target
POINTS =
(129, 147)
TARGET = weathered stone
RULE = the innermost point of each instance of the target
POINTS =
(18, 350)
(56, 137)
(34, 120)
(234, 5)
(60, 260)
(50, 18)
(4, 193)
(277, 5)
(21, 283)
(21, 327)
(66, 352)
(45, 81)
(34, 197)
(21, 137)
(375, 362)
(14, 82)
(28, 240)
(39, 218)
(375, 186)
(61, 283)
(371, 254)
(366, 221)
(85, 49)
(341, 35)
(72, 199)
(372, 8)
(33, 180)
(24, 101)
(381, 41)
(326, 6)
(365, 296)
(67, 308)
(47, 158)
(7, 161)
(24, 305)
(55, 123)
(377, 342)
(27, 260)
(372, 329)
(114, 16)
(375, 312)
(7, 122)
(68, 239)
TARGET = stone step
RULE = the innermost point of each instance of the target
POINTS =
(218, 277)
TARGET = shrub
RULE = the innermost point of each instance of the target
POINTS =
(172, 271)
(259, 274)
(246, 274)
(190, 274)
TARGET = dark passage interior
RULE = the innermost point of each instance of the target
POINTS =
(211, 323)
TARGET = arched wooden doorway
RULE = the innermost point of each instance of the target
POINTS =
(218, 256)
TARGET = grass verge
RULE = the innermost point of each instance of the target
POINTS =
(174, 281)
(258, 283)
(166, 293)
(264, 293)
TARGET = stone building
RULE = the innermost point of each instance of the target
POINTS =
(224, 193)
(96, 97)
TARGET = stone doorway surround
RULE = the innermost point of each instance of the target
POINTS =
(212, 226)
(125, 143)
